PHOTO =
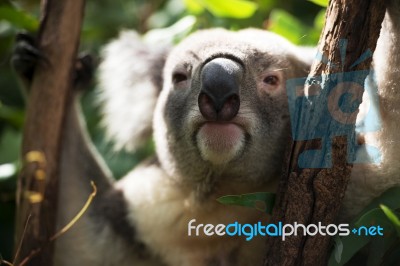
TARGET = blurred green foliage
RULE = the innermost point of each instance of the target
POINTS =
(382, 250)
(299, 21)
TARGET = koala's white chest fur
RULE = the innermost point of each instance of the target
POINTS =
(161, 212)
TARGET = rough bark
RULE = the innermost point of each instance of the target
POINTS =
(310, 196)
(49, 94)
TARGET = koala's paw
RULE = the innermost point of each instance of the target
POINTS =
(85, 67)
(27, 55)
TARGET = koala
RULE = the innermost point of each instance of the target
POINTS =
(217, 108)
(214, 118)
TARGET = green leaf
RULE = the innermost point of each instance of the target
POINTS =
(379, 248)
(263, 201)
(350, 245)
(171, 34)
(338, 248)
(288, 26)
(389, 198)
(11, 116)
(392, 217)
(10, 141)
(194, 6)
(370, 215)
(319, 20)
(19, 18)
(231, 9)
(354, 243)
(323, 3)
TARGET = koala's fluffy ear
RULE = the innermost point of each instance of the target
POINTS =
(304, 58)
(130, 78)
(307, 54)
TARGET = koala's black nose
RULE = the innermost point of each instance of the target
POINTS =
(219, 95)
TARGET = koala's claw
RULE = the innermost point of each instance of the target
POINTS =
(26, 55)
(84, 70)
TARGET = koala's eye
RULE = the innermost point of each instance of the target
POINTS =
(271, 80)
(179, 77)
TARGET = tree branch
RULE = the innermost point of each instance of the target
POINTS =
(49, 94)
(314, 194)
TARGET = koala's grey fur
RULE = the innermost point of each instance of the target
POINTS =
(142, 219)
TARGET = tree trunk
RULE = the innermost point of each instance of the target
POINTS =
(314, 184)
(49, 94)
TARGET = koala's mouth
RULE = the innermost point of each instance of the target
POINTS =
(220, 143)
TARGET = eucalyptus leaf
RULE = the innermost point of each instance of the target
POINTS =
(319, 20)
(371, 215)
(392, 217)
(19, 18)
(338, 248)
(389, 198)
(378, 249)
(353, 242)
(263, 201)
(10, 141)
(194, 6)
(12, 116)
(171, 34)
(285, 24)
(323, 3)
(231, 9)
